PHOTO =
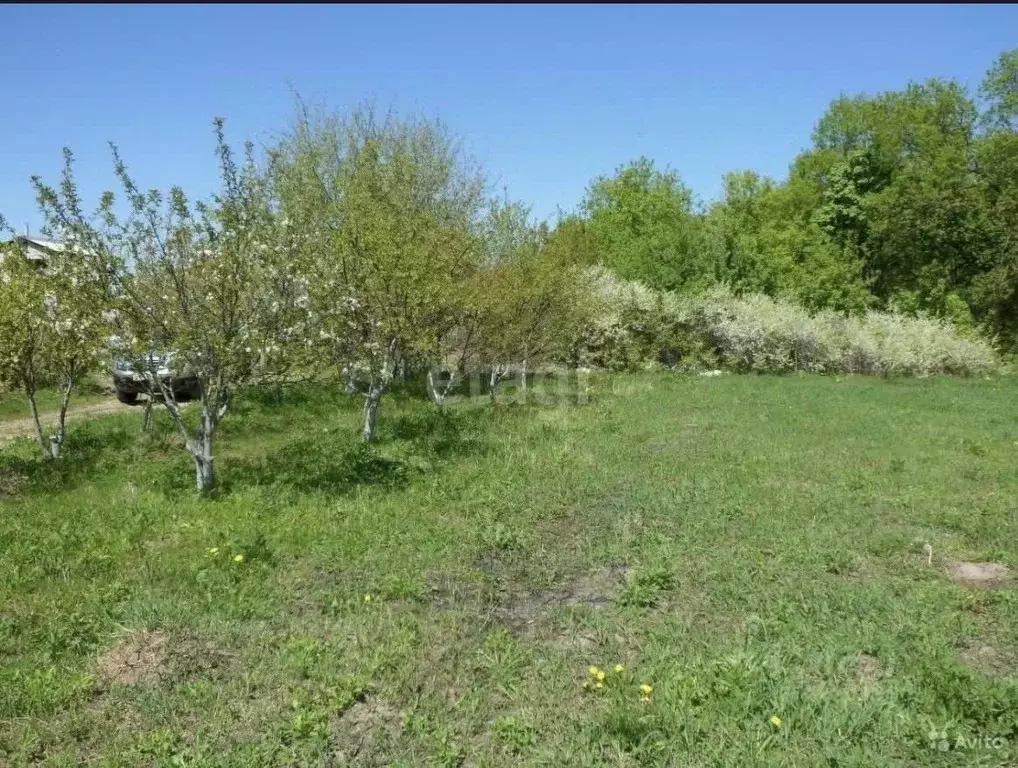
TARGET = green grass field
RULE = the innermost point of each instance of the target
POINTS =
(750, 547)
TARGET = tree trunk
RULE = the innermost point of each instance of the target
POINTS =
(56, 440)
(350, 380)
(214, 406)
(371, 403)
(205, 476)
(201, 452)
(146, 421)
(376, 388)
(493, 383)
(43, 444)
(437, 396)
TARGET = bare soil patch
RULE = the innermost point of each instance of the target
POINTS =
(155, 655)
(593, 588)
(360, 731)
(980, 574)
(991, 660)
(866, 674)
(137, 658)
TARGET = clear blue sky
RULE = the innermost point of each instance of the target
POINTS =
(546, 97)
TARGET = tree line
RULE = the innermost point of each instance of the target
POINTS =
(367, 245)
(906, 199)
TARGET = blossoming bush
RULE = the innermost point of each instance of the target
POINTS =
(637, 327)
(759, 334)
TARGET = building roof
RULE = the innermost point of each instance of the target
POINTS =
(36, 248)
(40, 243)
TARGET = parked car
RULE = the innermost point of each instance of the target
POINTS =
(129, 382)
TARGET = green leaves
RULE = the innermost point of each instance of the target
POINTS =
(642, 221)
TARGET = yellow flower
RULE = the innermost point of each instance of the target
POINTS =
(775, 721)
(367, 598)
(238, 558)
(619, 669)
(646, 689)
(599, 675)
(599, 685)
(213, 551)
(593, 671)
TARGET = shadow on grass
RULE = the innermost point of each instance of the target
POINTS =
(88, 450)
(440, 436)
(336, 461)
(327, 464)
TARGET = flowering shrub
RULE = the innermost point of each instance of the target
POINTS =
(758, 334)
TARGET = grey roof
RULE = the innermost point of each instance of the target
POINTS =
(38, 242)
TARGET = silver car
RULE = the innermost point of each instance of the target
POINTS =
(129, 382)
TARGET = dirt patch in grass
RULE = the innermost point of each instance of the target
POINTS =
(522, 611)
(980, 574)
(866, 674)
(137, 658)
(154, 655)
(990, 660)
(594, 588)
(361, 730)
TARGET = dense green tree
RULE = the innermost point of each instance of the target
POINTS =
(1000, 90)
(644, 227)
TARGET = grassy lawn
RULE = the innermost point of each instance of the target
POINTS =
(752, 547)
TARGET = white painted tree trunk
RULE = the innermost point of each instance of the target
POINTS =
(440, 392)
(56, 440)
(497, 373)
(379, 383)
(437, 396)
(43, 444)
(201, 453)
(350, 380)
(371, 403)
(213, 408)
(50, 446)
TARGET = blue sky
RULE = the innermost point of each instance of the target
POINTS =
(546, 97)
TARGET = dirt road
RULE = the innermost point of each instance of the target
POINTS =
(24, 427)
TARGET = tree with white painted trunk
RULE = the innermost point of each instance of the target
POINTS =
(51, 329)
(210, 285)
(392, 205)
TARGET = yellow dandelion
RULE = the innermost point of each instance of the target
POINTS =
(238, 558)
(213, 551)
(619, 669)
(775, 721)
(599, 675)
(367, 598)
(646, 689)
(593, 671)
(599, 685)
